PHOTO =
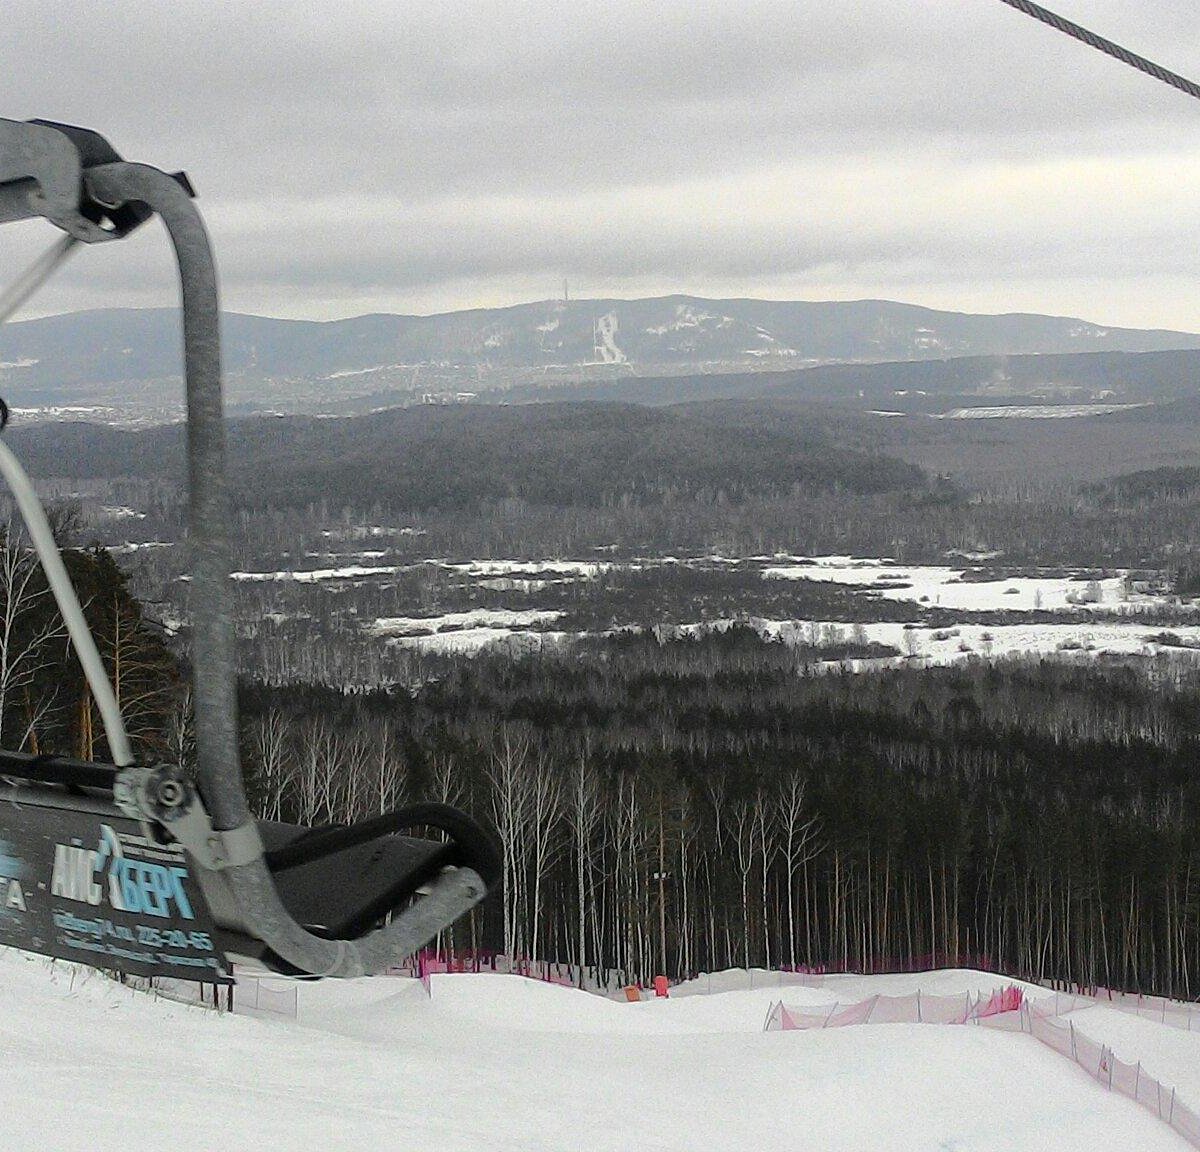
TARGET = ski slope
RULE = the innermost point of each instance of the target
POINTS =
(496, 1062)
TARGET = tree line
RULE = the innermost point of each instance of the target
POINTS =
(46, 705)
(690, 804)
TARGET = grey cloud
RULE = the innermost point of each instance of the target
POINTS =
(373, 150)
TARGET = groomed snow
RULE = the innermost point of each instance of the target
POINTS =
(496, 1063)
(1168, 1054)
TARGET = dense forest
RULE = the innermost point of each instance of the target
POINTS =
(738, 478)
(688, 804)
(435, 458)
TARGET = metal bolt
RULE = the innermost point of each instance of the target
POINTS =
(171, 793)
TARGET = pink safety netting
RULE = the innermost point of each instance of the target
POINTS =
(1007, 1009)
(915, 1008)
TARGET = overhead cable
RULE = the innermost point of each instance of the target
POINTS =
(35, 276)
(1108, 47)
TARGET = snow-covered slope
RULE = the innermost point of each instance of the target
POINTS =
(499, 1063)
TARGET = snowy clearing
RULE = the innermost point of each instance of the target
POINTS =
(494, 1062)
(469, 641)
(1035, 411)
(130, 547)
(963, 641)
(450, 621)
(316, 575)
(578, 568)
(942, 586)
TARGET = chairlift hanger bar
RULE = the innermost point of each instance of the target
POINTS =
(1108, 47)
(73, 178)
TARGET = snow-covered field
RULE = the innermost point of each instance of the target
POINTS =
(943, 586)
(452, 621)
(1036, 411)
(500, 1063)
(1104, 609)
(964, 641)
(962, 586)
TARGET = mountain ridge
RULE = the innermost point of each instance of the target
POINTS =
(80, 357)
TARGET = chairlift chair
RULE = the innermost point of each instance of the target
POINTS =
(145, 868)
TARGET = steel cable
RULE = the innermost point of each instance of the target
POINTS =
(35, 276)
(1108, 47)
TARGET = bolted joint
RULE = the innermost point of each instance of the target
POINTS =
(161, 793)
(165, 802)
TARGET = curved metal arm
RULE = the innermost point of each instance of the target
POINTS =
(219, 773)
(213, 650)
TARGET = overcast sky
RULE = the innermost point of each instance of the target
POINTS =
(379, 155)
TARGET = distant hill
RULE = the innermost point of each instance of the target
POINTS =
(107, 355)
(926, 385)
(1150, 486)
(435, 457)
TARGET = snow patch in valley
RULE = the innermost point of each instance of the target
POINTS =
(585, 568)
(316, 575)
(369, 531)
(1035, 411)
(121, 512)
(955, 587)
(471, 641)
(361, 371)
(129, 547)
(960, 642)
(477, 618)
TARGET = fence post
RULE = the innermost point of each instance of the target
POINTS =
(919, 1021)
(1137, 1080)
(1171, 1114)
(1071, 1025)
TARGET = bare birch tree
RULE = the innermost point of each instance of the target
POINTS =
(26, 634)
(798, 846)
(545, 809)
(508, 773)
(275, 771)
(584, 815)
